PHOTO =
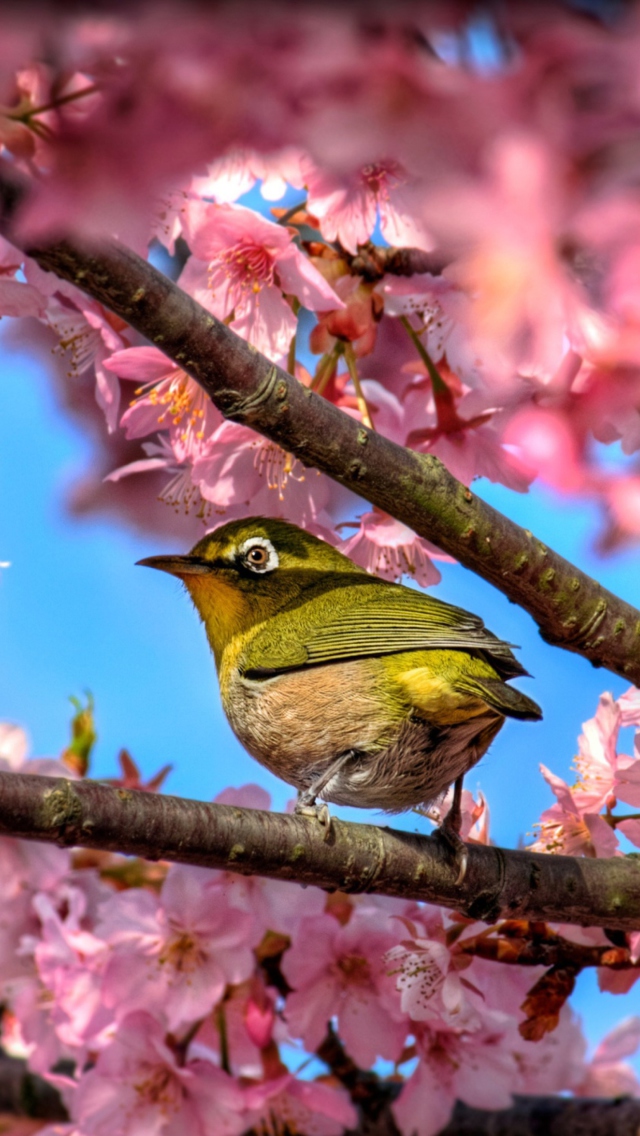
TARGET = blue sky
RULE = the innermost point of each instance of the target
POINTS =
(77, 614)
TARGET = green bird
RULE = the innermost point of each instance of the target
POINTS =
(354, 690)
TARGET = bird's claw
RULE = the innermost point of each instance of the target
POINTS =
(458, 849)
(318, 811)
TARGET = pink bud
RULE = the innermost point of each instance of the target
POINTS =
(259, 1021)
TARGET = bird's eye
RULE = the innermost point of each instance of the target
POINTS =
(258, 554)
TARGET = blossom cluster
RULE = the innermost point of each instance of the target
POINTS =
(454, 262)
(163, 998)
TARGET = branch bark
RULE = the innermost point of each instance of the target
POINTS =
(355, 857)
(25, 1094)
(572, 610)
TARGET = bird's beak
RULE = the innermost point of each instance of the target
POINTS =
(178, 565)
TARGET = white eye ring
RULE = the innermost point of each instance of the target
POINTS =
(258, 554)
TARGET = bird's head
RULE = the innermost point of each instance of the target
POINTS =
(246, 571)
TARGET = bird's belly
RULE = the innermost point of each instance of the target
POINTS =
(416, 768)
(297, 723)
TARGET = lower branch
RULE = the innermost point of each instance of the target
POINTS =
(25, 1094)
(350, 857)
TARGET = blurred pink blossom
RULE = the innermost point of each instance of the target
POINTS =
(138, 1085)
(479, 1068)
(348, 209)
(286, 1103)
(608, 1074)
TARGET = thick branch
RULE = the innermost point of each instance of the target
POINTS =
(355, 857)
(23, 1093)
(572, 610)
(548, 1116)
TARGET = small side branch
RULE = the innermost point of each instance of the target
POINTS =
(356, 858)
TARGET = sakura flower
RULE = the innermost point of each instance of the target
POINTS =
(336, 970)
(240, 267)
(14, 746)
(16, 297)
(241, 474)
(234, 174)
(70, 960)
(629, 706)
(440, 312)
(478, 1068)
(138, 1086)
(348, 210)
(547, 446)
(597, 760)
(469, 447)
(289, 1105)
(250, 1024)
(608, 1074)
(86, 330)
(387, 548)
(167, 399)
(179, 492)
(555, 1063)
(568, 829)
(429, 986)
(475, 815)
(573, 823)
(175, 955)
(249, 796)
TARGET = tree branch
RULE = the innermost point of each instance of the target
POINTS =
(572, 610)
(25, 1094)
(355, 857)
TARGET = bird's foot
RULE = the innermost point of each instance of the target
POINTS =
(449, 831)
(456, 848)
(317, 810)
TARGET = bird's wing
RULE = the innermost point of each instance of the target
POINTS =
(356, 621)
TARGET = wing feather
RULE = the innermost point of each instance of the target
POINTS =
(378, 619)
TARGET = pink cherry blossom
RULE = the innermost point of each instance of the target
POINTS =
(287, 1104)
(629, 706)
(176, 954)
(14, 746)
(229, 177)
(241, 474)
(567, 828)
(249, 796)
(86, 330)
(389, 549)
(138, 1087)
(16, 297)
(608, 1074)
(479, 1068)
(70, 961)
(348, 210)
(241, 265)
(430, 987)
(341, 971)
(469, 447)
(168, 399)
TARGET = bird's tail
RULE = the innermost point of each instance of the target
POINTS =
(505, 699)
